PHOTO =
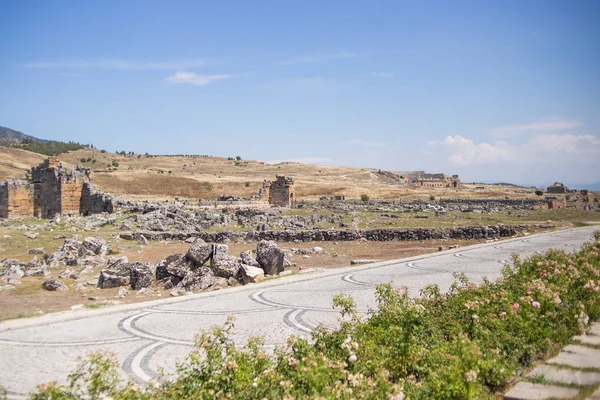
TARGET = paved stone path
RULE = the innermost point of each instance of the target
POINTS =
(575, 367)
(148, 336)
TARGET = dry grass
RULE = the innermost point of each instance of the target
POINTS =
(14, 163)
(197, 177)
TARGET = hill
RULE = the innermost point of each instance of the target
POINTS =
(204, 177)
(14, 163)
(10, 136)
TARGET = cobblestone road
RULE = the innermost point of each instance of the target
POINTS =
(153, 335)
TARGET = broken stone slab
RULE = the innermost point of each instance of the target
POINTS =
(578, 357)
(247, 259)
(110, 278)
(199, 253)
(31, 235)
(250, 274)
(121, 293)
(53, 285)
(534, 391)
(220, 251)
(566, 376)
(93, 246)
(225, 266)
(37, 250)
(199, 279)
(141, 276)
(363, 261)
(270, 257)
(117, 262)
(68, 273)
(175, 267)
(12, 270)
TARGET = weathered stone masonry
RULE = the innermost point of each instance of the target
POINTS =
(53, 190)
(280, 193)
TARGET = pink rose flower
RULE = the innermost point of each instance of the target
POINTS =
(536, 304)
(516, 306)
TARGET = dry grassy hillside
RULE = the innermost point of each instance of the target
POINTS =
(198, 177)
(14, 163)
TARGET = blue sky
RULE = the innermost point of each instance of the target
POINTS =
(491, 90)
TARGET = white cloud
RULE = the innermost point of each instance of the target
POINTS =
(190, 78)
(547, 125)
(539, 149)
(302, 160)
(362, 143)
(320, 58)
(382, 74)
(117, 65)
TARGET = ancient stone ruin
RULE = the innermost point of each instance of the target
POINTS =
(280, 193)
(557, 188)
(52, 190)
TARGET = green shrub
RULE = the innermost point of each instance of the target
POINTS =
(431, 197)
(539, 192)
(364, 197)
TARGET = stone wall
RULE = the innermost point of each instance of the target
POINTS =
(70, 195)
(282, 192)
(94, 201)
(466, 232)
(16, 199)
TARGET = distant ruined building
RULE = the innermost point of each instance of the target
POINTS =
(52, 190)
(422, 178)
(280, 193)
(557, 188)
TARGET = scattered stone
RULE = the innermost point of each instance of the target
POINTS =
(145, 291)
(7, 287)
(317, 250)
(142, 240)
(250, 274)
(81, 287)
(110, 278)
(68, 274)
(77, 307)
(285, 273)
(92, 298)
(270, 257)
(363, 261)
(247, 259)
(93, 246)
(12, 270)
(121, 293)
(175, 267)
(31, 235)
(531, 391)
(36, 268)
(199, 253)
(199, 279)
(37, 250)
(58, 237)
(53, 285)
(141, 276)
